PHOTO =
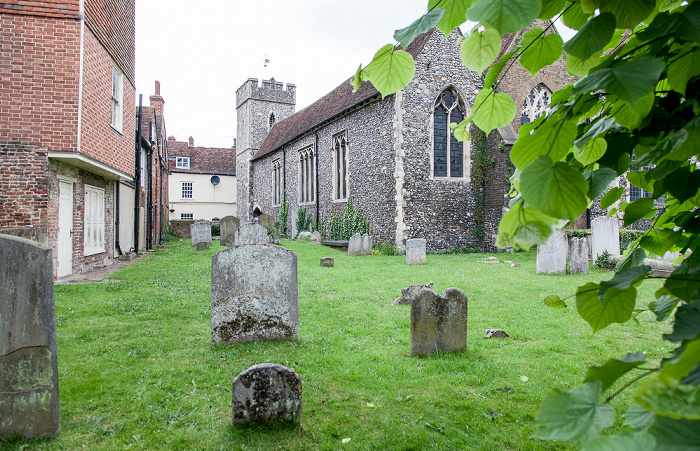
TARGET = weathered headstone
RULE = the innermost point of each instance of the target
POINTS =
(200, 232)
(496, 333)
(266, 220)
(355, 245)
(551, 257)
(251, 233)
(304, 234)
(266, 393)
(415, 251)
(227, 230)
(410, 292)
(605, 236)
(366, 245)
(327, 262)
(273, 238)
(438, 322)
(29, 404)
(578, 255)
(315, 237)
(254, 294)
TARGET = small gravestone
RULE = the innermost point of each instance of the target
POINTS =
(366, 245)
(200, 232)
(551, 257)
(355, 245)
(415, 251)
(496, 333)
(515, 265)
(29, 404)
(438, 322)
(410, 292)
(254, 294)
(273, 238)
(315, 237)
(578, 255)
(605, 236)
(327, 262)
(251, 233)
(266, 393)
(266, 220)
(227, 230)
(305, 234)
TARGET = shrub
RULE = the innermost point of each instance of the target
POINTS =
(303, 220)
(605, 262)
(215, 229)
(628, 237)
(352, 221)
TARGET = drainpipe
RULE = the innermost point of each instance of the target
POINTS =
(318, 208)
(137, 190)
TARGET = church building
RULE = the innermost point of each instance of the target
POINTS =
(394, 157)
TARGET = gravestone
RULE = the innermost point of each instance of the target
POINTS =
(200, 232)
(251, 233)
(227, 230)
(315, 237)
(438, 322)
(551, 257)
(366, 245)
(29, 404)
(327, 262)
(605, 236)
(415, 251)
(496, 333)
(410, 292)
(266, 393)
(266, 220)
(355, 245)
(273, 238)
(578, 255)
(254, 294)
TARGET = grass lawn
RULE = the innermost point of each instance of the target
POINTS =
(137, 370)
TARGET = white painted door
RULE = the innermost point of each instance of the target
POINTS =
(65, 230)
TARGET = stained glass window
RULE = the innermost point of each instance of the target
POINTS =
(448, 152)
(535, 103)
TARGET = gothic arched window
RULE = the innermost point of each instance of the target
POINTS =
(271, 120)
(535, 103)
(448, 152)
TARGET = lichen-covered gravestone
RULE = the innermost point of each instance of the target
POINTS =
(200, 232)
(28, 360)
(605, 236)
(415, 251)
(410, 292)
(327, 262)
(266, 393)
(254, 294)
(315, 237)
(438, 322)
(355, 245)
(552, 256)
(266, 220)
(578, 255)
(227, 230)
(251, 233)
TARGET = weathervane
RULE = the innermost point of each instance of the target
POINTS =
(267, 61)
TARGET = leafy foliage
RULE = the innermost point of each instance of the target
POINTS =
(281, 225)
(636, 106)
(342, 226)
(303, 220)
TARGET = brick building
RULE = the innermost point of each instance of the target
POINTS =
(66, 124)
(395, 157)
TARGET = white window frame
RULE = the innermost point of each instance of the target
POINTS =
(94, 221)
(117, 99)
(182, 162)
(462, 106)
(339, 165)
(306, 168)
(277, 182)
(183, 191)
(183, 218)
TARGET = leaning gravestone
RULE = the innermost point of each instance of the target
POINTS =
(227, 230)
(415, 251)
(266, 393)
(355, 245)
(438, 322)
(578, 255)
(28, 360)
(605, 236)
(266, 220)
(200, 232)
(315, 237)
(551, 257)
(254, 294)
(251, 233)
(410, 292)
(366, 245)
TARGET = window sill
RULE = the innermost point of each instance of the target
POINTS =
(303, 204)
(118, 132)
(340, 201)
(451, 179)
(87, 253)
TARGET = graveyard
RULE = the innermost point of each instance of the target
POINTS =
(138, 370)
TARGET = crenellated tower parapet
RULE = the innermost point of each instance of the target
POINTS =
(270, 91)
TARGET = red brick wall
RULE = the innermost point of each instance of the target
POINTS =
(45, 8)
(113, 22)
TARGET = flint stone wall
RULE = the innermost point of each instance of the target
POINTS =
(29, 404)
(254, 294)
(266, 393)
(552, 256)
(251, 233)
(438, 322)
(227, 230)
(415, 251)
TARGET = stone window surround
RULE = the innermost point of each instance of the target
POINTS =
(271, 120)
(306, 153)
(466, 151)
(186, 188)
(277, 181)
(539, 92)
(94, 220)
(337, 137)
(117, 99)
(186, 216)
(182, 162)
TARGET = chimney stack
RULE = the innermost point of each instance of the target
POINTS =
(157, 101)
(191, 141)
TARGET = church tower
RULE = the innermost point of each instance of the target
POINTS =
(258, 108)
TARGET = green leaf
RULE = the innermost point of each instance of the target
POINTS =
(460, 130)
(589, 6)
(592, 38)
(574, 17)
(631, 117)
(684, 281)
(575, 416)
(667, 397)
(506, 16)
(639, 418)
(687, 323)
(579, 68)
(556, 190)
(554, 301)
(358, 78)
(390, 71)
(628, 13)
(680, 366)
(684, 68)
(455, 13)
(614, 369)
(540, 50)
(600, 180)
(685, 183)
(551, 8)
(590, 153)
(637, 178)
(640, 208)
(659, 242)
(533, 232)
(495, 70)
(599, 127)
(630, 80)
(480, 50)
(663, 306)
(616, 307)
(632, 259)
(611, 197)
(550, 138)
(492, 110)
(424, 23)
(684, 26)
(622, 280)
(676, 435)
(625, 441)
(562, 95)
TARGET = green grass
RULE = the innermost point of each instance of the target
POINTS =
(137, 370)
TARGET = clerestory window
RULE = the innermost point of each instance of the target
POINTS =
(448, 152)
(307, 191)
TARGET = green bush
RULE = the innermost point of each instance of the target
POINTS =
(577, 233)
(604, 262)
(352, 221)
(628, 237)
(215, 229)
(303, 220)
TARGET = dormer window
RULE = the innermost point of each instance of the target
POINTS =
(182, 162)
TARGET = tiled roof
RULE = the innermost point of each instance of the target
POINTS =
(203, 160)
(333, 104)
(46, 8)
